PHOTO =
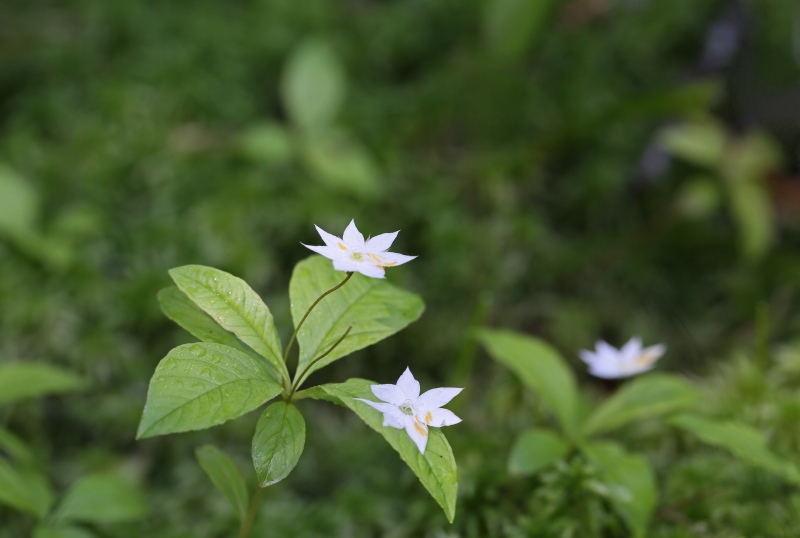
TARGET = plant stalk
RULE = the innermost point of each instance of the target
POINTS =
(247, 524)
(312, 363)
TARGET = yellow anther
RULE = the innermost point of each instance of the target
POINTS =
(341, 246)
(428, 418)
(419, 428)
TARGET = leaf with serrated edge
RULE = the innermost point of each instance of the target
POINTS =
(436, 469)
(225, 476)
(649, 396)
(21, 380)
(540, 367)
(235, 306)
(373, 307)
(197, 386)
(278, 442)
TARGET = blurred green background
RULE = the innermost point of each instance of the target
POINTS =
(574, 169)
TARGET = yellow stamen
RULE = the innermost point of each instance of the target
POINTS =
(419, 428)
(388, 264)
(341, 246)
(428, 418)
(374, 257)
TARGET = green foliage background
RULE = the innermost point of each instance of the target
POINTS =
(506, 142)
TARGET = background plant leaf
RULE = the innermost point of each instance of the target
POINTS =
(631, 480)
(534, 450)
(436, 469)
(101, 498)
(25, 489)
(374, 308)
(197, 386)
(644, 397)
(231, 302)
(741, 440)
(225, 476)
(20, 380)
(61, 532)
(278, 442)
(540, 367)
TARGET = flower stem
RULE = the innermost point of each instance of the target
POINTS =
(247, 524)
(312, 363)
(310, 308)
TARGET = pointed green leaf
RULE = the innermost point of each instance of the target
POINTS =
(648, 396)
(19, 380)
(61, 532)
(313, 85)
(101, 498)
(741, 440)
(25, 489)
(16, 449)
(235, 306)
(278, 442)
(226, 476)
(633, 486)
(534, 450)
(197, 386)
(180, 309)
(374, 308)
(511, 25)
(436, 469)
(540, 367)
(19, 203)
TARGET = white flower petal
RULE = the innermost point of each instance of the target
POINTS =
(370, 270)
(394, 419)
(587, 356)
(330, 239)
(417, 431)
(389, 393)
(435, 398)
(605, 349)
(383, 407)
(632, 348)
(408, 385)
(324, 250)
(380, 243)
(345, 265)
(440, 417)
(352, 237)
(650, 355)
(392, 259)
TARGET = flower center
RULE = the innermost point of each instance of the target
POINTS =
(407, 408)
(357, 256)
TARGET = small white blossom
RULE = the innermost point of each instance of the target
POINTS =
(404, 408)
(352, 253)
(608, 362)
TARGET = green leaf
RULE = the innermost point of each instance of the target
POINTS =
(699, 198)
(701, 143)
(19, 203)
(25, 489)
(752, 209)
(101, 498)
(180, 309)
(511, 25)
(235, 306)
(61, 532)
(19, 380)
(644, 397)
(633, 486)
(339, 161)
(278, 442)
(540, 367)
(16, 449)
(436, 469)
(197, 386)
(534, 450)
(226, 476)
(374, 308)
(313, 85)
(267, 143)
(741, 440)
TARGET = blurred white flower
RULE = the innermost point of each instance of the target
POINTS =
(404, 408)
(351, 253)
(608, 362)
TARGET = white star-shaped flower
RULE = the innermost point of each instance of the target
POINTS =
(608, 362)
(404, 408)
(351, 253)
